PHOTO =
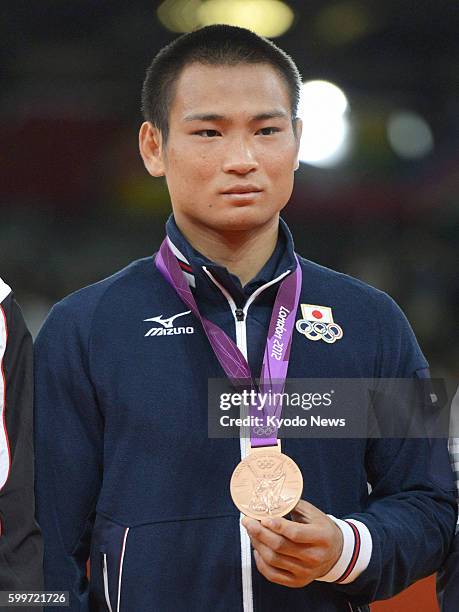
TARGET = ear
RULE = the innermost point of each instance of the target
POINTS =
(298, 132)
(151, 149)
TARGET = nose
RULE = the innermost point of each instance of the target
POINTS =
(239, 158)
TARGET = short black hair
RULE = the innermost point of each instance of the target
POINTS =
(214, 45)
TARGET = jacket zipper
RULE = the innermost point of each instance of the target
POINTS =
(240, 317)
(105, 575)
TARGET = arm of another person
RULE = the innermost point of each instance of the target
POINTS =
(69, 450)
(21, 551)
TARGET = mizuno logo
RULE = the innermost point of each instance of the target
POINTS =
(167, 322)
(168, 328)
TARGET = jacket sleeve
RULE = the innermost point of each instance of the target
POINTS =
(21, 553)
(411, 512)
(69, 449)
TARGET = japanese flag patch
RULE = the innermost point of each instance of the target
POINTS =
(317, 324)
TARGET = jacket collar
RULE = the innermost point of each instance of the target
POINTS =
(192, 263)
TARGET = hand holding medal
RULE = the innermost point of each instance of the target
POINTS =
(294, 553)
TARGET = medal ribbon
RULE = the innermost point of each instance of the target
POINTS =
(277, 349)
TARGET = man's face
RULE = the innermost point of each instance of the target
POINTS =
(230, 129)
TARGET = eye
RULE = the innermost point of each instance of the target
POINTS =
(207, 133)
(268, 131)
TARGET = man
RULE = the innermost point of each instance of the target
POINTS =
(448, 576)
(21, 554)
(126, 471)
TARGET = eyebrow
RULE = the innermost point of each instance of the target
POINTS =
(216, 117)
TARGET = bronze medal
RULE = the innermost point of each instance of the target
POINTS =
(266, 483)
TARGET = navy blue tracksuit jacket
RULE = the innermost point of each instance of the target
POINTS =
(126, 472)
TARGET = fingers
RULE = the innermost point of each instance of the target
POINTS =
(274, 574)
(278, 560)
(277, 542)
(275, 548)
(299, 533)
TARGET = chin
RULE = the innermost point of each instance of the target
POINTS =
(242, 218)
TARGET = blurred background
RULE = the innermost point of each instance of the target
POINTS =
(376, 195)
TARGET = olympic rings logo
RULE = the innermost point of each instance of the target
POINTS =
(316, 330)
(264, 431)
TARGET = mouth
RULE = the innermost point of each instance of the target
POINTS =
(242, 190)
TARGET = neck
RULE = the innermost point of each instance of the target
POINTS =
(243, 253)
